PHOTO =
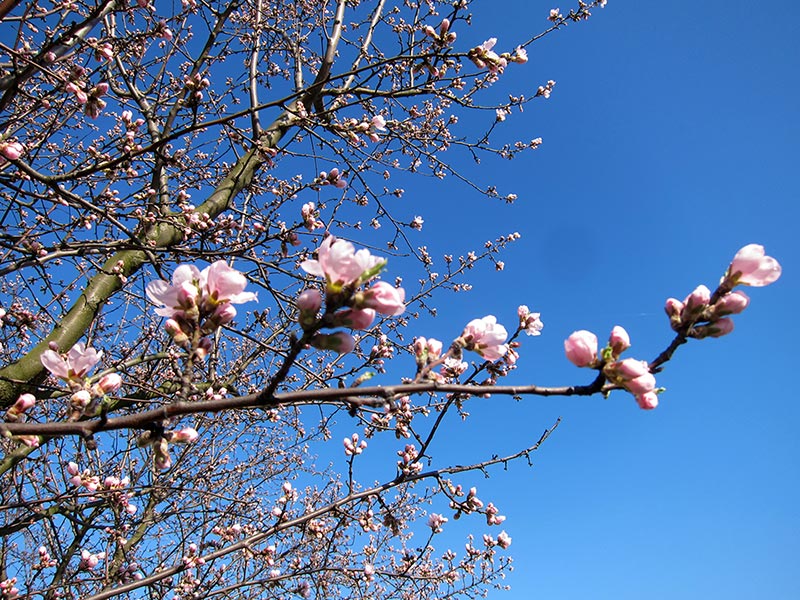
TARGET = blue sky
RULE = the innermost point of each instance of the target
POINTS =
(669, 143)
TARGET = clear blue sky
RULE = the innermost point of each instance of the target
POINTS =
(670, 142)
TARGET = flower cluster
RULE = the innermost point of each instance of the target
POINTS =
(484, 57)
(703, 314)
(72, 368)
(529, 322)
(345, 270)
(486, 337)
(442, 37)
(633, 375)
(352, 446)
(197, 302)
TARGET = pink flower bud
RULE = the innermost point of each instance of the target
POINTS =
(731, 304)
(503, 540)
(384, 298)
(24, 403)
(630, 368)
(619, 340)
(72, 468)
(434, 349)
(203, 348)
(581, 348)
(175, 331)
(80, 399)
(716, 329)
(751, 266)
(11, 150)
(353, 318)
(309, 301)
(109, 383)
(187, 435)
(642, 384)
(224, 314)
(674, 309)
(697, 300)
(647, 401)
(340, 342)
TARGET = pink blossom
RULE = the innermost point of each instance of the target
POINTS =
(435, 522)
(309, 301)
(647, 401)
(340, 342)
(182, 294)
(486, 337)
(581, 348)
(339, 263)
(378, 122)
(216, 285)
(187, 435)
(751, 266)
(503, 540)
(11, 150)
(528, 321)
(354, 318)
(74, 365)
(715, 329)
(641, 385)
(731, 304)
(224, 284)
(24, 403)
(619, 340)
(108, 384)
(384, 298)
(630, 368)
(697, 300)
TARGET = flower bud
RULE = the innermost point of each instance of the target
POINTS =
(108, 384)
(716, 329)
(340, 342)
(642, 384)
(619, 340)
(697, 301)
(353, 318)
(187, 435)
(674, 309)
(581, 348)
(751, 266)
(647, 401)
(731, 304)
(309, 303)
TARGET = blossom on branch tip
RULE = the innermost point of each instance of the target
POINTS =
(581, 348)
(503, 540)
(486, 337)
(619, 341)
(751, 266)
(529, 322)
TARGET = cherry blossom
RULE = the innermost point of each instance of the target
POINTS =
(486, 337)
(581, 348)
(383, 298)
(341, 265)
(74, 365)
(216, 285)
(529, 322)
(751, 266)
